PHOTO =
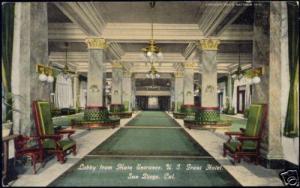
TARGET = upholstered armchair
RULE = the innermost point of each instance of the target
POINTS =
(247, 142)
(26, 146)
(52, 141)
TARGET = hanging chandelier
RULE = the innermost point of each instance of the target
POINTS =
(152, 52)
(239, 72)
(153, 74)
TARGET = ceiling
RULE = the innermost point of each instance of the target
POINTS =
(171, 12)
(140, 12)
(55, 15)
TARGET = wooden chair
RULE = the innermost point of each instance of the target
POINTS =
(29, 147)
(51, 141)
(247, 141)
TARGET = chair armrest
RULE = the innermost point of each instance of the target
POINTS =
(55, 137)
(233, 133)
(242, 138)
(66, 131)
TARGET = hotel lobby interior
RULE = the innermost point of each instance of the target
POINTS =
(150, 93)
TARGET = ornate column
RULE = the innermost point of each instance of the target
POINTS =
(229, 91)
(269, 51)
(209, 96)
(133, 89)
(127, 90)
(96, 69)
(189, 83)
(76, 91)
(178, 90)
(30, 47)
(116, 84)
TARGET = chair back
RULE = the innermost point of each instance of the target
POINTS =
(42, 117)
(256, 119)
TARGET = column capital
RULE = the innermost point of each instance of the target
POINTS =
(96, 43)
(126, 74)
(116, 65)
(190, 65)
(209, 44)
(178, 74)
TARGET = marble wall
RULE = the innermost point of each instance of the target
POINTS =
(178, 91)
(127, 90)
(270, 51)
(188, 85)
(30, 47)
(95, 78)
(116, 93)
(209, 85)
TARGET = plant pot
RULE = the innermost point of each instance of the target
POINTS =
(6, 127)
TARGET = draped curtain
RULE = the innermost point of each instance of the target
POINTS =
(82, 93)
(291, 128)
(6, 59)
(243, 82)
(63, 92)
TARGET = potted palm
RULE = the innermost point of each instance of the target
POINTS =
(7, 106)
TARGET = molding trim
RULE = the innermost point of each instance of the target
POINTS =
(188, 65)
(140, 33)
(85, 15)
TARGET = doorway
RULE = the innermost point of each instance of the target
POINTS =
(220, 100)
(241, 99)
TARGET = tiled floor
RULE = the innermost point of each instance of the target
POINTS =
(246, 174)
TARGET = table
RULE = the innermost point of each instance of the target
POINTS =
(5, 142)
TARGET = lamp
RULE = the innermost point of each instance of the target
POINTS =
(152, 52)
(239, 72)
(50, 78)
(152, 73)
(66, 68)
(254, 74)
(42, 76)
(45, 73)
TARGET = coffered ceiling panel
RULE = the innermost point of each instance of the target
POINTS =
(55, 15)
(140, 12)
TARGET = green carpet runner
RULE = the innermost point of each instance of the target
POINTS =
(147, 157)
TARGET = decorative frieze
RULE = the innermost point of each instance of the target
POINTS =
(96, 43)
(190, 64)
(209, 44)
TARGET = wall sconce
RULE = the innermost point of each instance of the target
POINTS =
(94, 88)
(209, 89)
(255, 74)
(116, 92)
(45, 73)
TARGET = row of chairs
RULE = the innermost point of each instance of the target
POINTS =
(45, 140)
